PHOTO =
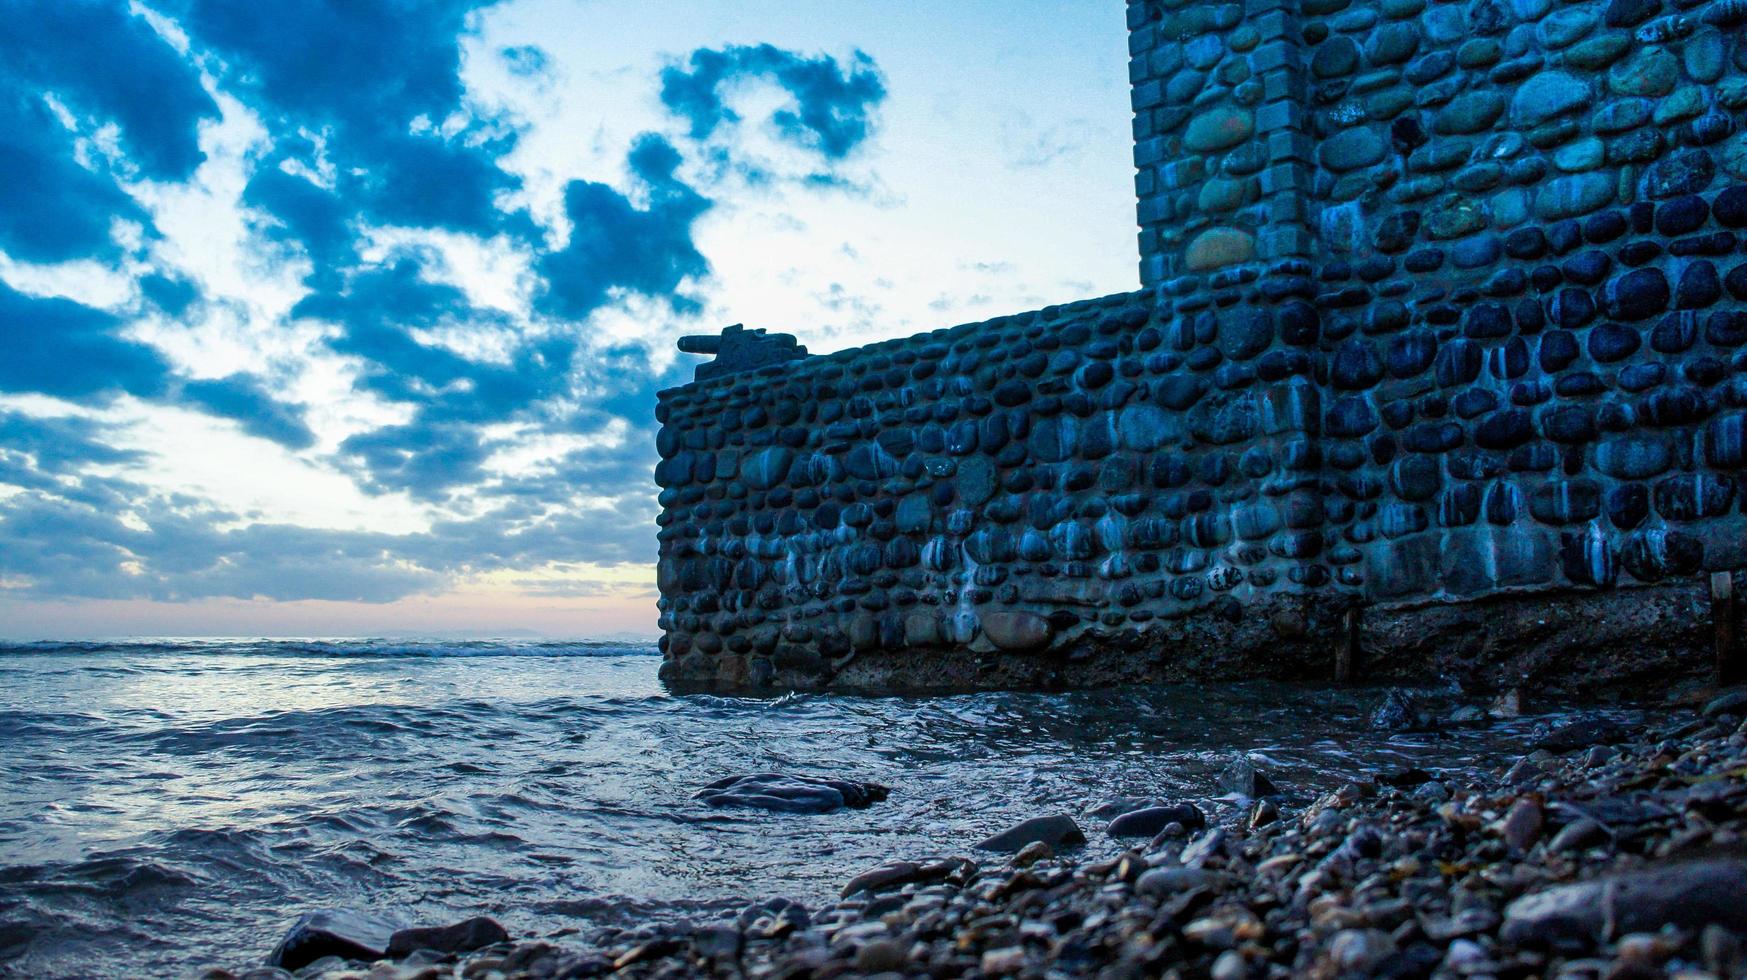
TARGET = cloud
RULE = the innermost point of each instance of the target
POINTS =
(170, 293)
(58, 445)
(242, 397)
(67, 70)
(1027, 146)
(530, 438)
(369, 93)
(37, 154)
(57, 347)
(832, 103)
(526, 61)
(108, 65)
(615, 247)
(386, 315)
(425, 458)
(172, 549)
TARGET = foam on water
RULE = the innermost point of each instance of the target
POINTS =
(169, 805)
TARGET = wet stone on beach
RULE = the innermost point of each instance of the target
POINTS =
(1057, 830)
(792, 794)
(344, 933)
(1150, 821)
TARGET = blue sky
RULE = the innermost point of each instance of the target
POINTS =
(339, 318)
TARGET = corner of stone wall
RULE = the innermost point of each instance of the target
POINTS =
(1444, 313)
(1223, 165)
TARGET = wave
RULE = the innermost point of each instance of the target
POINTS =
(363, 648)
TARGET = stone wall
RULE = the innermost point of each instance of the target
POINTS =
(1442, 324)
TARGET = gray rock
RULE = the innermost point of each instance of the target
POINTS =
(1582, 734)
(1019, 631)
(1243, 778)
(1546, 95)
(1218, 129)
(1351, 149)
(791, 794)
(1578, 835)
(1471, 112)
(1334, 58)
(896, 873)
(1150, 820)
(346, 933)
(460, 937)
(1566, 27)
(1732, 703)
(1160, 882)
(1689, 896)
(1058, 830)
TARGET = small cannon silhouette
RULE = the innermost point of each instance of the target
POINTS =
(738, 349)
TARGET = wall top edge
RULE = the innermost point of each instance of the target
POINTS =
(1062, 311)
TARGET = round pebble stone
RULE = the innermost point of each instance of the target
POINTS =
(1681, 215)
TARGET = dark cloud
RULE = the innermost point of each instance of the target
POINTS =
(60, 546)
(64, 548)
(425, 458)
(380, 81)
(241, 397)
(833, 103)
(368, 126)
(380, 312)
(617, 247)
(299, 214)
(52, 209)
(59, 445)
(169, 293)
(105, 66)
(57, 347)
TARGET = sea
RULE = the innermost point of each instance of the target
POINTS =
(170, 805)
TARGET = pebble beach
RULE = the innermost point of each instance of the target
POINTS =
(1606, 850)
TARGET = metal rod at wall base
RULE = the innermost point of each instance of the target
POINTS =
(1731, 652)
(1347, 647)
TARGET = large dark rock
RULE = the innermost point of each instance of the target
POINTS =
(346, 933)
(459, 937)
(791, 794)
(1057, 830)
(1688, 896)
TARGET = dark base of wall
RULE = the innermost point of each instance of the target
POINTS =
(1582, 641)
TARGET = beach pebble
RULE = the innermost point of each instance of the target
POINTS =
(1150, 821)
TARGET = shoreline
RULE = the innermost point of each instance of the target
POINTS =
(1605, 852)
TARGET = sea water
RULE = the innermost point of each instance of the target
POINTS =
(168, 805)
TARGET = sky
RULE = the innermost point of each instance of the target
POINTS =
(347, 318)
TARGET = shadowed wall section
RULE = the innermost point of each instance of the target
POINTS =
(1441, 323)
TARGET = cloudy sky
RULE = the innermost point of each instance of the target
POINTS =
(326, 317)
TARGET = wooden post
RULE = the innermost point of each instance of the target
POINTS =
(1726, 622)
(1347, 647)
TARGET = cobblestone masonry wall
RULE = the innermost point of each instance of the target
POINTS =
(1443, 322)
